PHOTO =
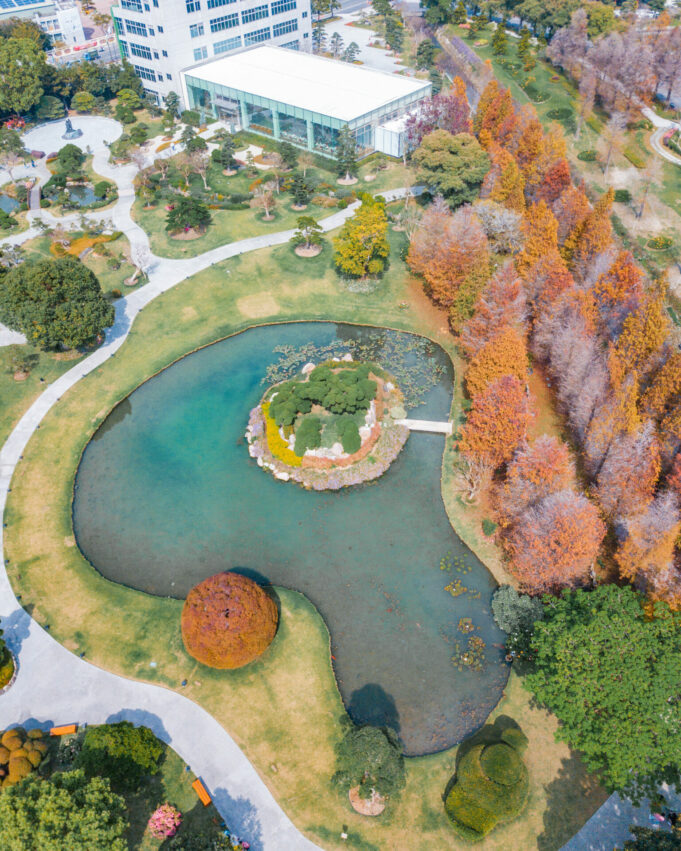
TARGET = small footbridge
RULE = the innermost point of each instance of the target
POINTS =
(427, 425)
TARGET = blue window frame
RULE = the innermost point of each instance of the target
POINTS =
(144, 73)
(225, 22)
(193, 6)
(257, 35)
(226, 45)
(215, 4)
(124, 47)
(255, 14)
(140, 50)
(285, 27)
(135, 27)
(292, 45)
(131, 5)
(280, 6)
(196, 30)
(200, 53)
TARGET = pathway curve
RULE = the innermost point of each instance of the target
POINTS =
(53, 685)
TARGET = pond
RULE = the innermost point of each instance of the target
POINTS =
(8, 204)
(82, 194)
(166, 495)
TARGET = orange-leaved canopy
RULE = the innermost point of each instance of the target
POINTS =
(228, 621)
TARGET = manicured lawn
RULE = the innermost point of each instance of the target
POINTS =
(283, 710)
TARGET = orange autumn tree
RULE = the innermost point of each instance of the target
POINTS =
(556, 180)
(554, 543)
(615, 416)
(502, 302)
(643, 333)
(590, 238)
(497, 423)
(542, 468)
(626, 481)
(649, 540)
(665, 385)
(540, 230)
(617, 293)
(504, 183)
(546, 281)
(504, 354)
(530, 143)
(447, 249)
(489, 93)
(570, 209)
(494, 116)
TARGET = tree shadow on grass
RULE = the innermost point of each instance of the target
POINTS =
(571, 786)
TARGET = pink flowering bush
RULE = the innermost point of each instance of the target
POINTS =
(165, 821)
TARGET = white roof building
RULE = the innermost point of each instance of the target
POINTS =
(299, 97)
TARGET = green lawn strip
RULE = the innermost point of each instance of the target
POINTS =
(284, 709)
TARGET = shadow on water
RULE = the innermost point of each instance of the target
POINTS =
(372, 705)
(119, 413)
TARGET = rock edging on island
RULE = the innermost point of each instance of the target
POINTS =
(322, 469)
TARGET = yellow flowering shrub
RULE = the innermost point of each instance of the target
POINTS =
(276, 443)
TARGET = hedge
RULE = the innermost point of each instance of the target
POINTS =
(276, 443)
(634, 157)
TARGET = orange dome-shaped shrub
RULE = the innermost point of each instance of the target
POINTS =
(228, 621)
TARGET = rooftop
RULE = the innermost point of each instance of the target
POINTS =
(337, 89)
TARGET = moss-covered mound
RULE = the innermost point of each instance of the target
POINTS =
(20, 753)
(490, 786)
(228, 621)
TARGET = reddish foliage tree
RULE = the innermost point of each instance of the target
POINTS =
(627, 479)
(504, 183)
(542, 468)
(488, 94)
(501, 303)
(497, 423)
(570, 209)
(541, 235)
(228, 621)
(618, 292)
(648, 546)
(546, 281)
(499, 109)
(554, 543)
(504, 354)
(556, 180)
(448, 111)
(670, 434)
(530, 146)
(674, 478)
(446, 249)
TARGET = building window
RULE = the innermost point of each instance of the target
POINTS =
(195, 30)
(131, 5)
(165, 53)
(255, 14)
(214, 4)
(226, 22)
(280, 6)
(156, 56)
(134, 27)
(124, 47)
(151, 31)
(285, 27)
(155, 4)
(292, 45)
(193, 5)
(160, 28)
(140, 50)
(169, 76)
(144, 73)
(200, 53)
(305, 14)
(227, 45)
(305, 35)
(257, 35)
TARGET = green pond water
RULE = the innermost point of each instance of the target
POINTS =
(166, 495)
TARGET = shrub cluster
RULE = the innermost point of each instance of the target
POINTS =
(122, 752)
(490, 786)
(276, 443)
(20, 753)
(344, 391)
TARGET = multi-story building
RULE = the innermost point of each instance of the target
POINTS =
(160, 38)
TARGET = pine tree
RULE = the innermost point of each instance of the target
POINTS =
(499, 39)
(524, 45)
(643, 334)
(504, 183)
(346, 153)
(540, 229)
(590, 238)
(459, 16)
(570, 210)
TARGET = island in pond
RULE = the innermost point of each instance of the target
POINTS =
(333, 425)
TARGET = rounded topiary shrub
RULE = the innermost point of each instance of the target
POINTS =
(490, 786)
(228, 621)
(20, 754)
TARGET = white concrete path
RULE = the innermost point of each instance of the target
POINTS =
(426, 425)
(54, 686)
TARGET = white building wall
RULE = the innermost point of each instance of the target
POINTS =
(172, 38)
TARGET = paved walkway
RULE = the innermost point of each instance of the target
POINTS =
(53, 685)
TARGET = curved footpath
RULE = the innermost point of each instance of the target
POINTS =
(53, 685)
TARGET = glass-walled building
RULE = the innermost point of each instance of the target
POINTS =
(300, 98)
